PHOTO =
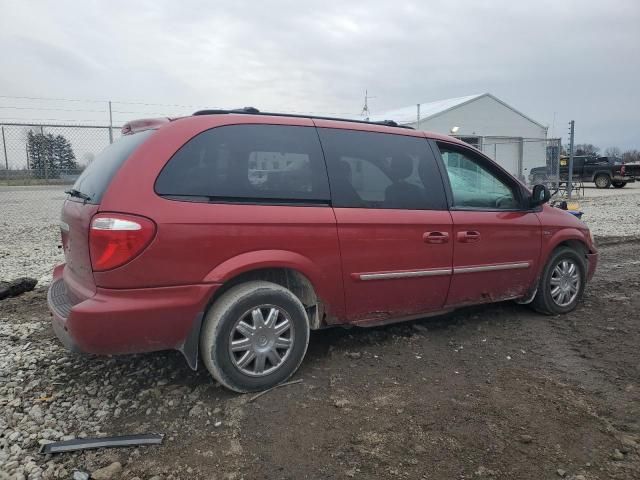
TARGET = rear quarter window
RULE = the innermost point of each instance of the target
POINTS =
(97, 176)
(248, 163)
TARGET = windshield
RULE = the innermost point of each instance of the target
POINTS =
(95, 178)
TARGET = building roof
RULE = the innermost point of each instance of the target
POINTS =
(408, 115)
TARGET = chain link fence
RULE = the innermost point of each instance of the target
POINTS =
(33, 154)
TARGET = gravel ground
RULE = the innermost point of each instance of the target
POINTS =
(487, 392)
(29, 233)
(612, 212)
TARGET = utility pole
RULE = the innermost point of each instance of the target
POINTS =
(365, 110)
(418, 112)
(572, 124)
(110, 124)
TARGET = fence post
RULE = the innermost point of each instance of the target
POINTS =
(4, 147)
(570, 179)
(46, 166)
(110, 124)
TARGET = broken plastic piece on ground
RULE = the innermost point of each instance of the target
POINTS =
(102, 442)
(17, 287)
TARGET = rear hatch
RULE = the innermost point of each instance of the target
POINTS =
(80, 207)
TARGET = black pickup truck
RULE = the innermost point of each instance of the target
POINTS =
(603, 171)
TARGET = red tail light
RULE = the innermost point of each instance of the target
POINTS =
(115, 239)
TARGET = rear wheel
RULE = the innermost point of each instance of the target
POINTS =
(603, 181)
(619, 184)
(562, 282)
(254, 336)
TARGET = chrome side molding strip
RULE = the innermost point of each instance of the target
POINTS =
(404, 274)
(491, 268)
(440, 271)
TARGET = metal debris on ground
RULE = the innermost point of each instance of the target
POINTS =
(17, 287)
(255, 397)
(102, 442)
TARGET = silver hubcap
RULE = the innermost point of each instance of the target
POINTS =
(261, 340)
(565, 283)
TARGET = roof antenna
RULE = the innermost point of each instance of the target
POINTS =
(365, 110)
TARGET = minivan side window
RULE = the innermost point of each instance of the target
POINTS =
(473, 184)
(381, 170)
(248, 164)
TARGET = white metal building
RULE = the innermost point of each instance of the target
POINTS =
(507, 135)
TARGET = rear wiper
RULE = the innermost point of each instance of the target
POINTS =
(77, 193)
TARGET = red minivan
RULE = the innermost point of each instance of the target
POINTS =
(231, 234)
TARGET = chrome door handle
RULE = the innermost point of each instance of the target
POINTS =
(468, 236)
(435, 237)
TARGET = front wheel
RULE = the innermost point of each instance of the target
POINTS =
(254, 336)
(619, 184)
(562, 283)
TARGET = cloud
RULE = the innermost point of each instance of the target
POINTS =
(571, 59)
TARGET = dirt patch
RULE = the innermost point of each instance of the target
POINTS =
(486, 392)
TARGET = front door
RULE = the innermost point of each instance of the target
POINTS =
(497, 240)
(394, 229)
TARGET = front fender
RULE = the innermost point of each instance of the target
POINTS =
(551, 241)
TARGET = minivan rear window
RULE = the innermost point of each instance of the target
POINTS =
(96, 177)
(248, 164)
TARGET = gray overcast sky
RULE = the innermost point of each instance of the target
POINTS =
(580, 59)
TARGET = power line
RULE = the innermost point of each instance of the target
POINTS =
(53, 99)
(13, 107)
(149, 104)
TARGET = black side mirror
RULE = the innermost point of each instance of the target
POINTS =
(540, 195)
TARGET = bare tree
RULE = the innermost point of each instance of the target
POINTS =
(586, 149)
(631, 156)
(613, 152)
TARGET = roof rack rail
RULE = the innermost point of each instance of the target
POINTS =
(255, 111)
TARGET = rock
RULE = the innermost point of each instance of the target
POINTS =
(561, 472)
(341, 403)
(108, 472)
(419, 449)
(485, 472)
(617, 455)
(628, 441)
(525, 439)
(196, 411)
(35, 412)
(78, 475)
(354, 355)
(420, 328)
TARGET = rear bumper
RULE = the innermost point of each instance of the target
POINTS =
(129, 320)
(592, 260)
(625, 179)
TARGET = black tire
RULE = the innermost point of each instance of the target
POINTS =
(602, 181)
(543, 301)
(221, 319)
(619, 184)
